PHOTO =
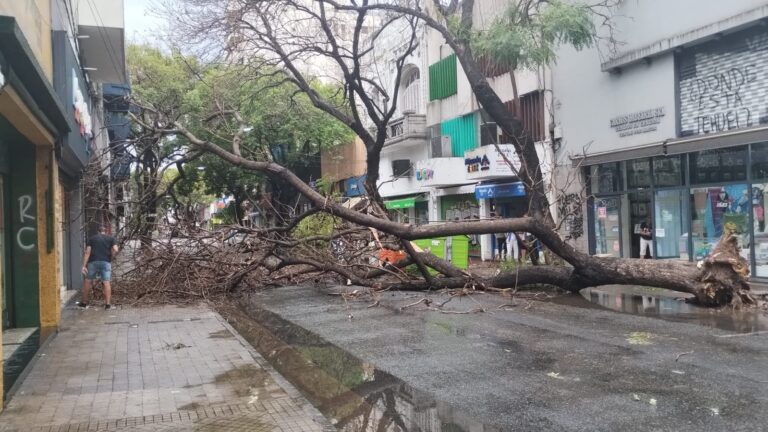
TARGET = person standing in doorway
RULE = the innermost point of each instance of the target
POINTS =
(97, 262)
(646, 238)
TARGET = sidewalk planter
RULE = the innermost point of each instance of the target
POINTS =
(454, 249)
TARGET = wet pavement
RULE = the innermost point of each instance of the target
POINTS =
(154, 369)
(521, 365)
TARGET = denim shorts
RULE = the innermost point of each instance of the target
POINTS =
(101, 269)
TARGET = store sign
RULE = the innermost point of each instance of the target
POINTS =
(82, 114)
(424, 174)
(723, 84)
(500, 190)
(638, 122)
(487, 162)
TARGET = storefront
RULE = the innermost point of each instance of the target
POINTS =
(408, 210)
(688, 199)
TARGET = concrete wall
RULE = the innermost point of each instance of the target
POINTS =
(101, 13)
(586, 98)
(404, 185)
(34, 18)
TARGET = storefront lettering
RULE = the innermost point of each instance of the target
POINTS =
(25, 204)
(477, 163)
(638, 122)
(424, 174)
(723, 89)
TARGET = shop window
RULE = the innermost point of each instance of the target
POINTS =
(605, 178)
(667, 171)
(715, 166)
(760, 161)
(715, 210)
(639, 173)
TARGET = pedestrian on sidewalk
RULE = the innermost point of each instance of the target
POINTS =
(97, 262)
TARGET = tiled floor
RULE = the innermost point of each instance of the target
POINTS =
(168, 368)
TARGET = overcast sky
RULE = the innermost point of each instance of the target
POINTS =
(141, 24)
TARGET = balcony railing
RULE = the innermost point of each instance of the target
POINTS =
(410, 126)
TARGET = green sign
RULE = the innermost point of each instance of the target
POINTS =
(400, 203)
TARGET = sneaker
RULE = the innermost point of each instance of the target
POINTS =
(81, 305)
(108, 307)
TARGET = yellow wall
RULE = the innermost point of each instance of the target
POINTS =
(50, 297)
(34, 18)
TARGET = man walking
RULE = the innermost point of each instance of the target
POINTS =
(97, 262)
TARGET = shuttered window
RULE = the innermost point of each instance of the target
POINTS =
(442, 78)
(532, 117)
(463, 133)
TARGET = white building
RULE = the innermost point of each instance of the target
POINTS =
(440, 163)
(670, 130)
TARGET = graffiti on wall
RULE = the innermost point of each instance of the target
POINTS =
(723, 85)
(570, 208)
(25, 235)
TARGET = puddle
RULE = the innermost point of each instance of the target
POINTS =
(15, 364)
(355, 395)
(667, 305)
(248, 381)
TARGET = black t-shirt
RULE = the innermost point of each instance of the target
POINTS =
(646, 231)
(101, 248)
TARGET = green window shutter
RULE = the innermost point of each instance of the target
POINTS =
(442, 78)
(463, 133)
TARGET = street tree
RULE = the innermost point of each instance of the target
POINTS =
(281, 38)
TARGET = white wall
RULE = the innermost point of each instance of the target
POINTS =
(586, 98)
(101, 13)
(406, 185)
(642, 22)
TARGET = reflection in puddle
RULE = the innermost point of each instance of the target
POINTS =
(668, 305)
(354, 394)
(15, 363)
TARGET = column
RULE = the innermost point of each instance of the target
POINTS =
(486, 240)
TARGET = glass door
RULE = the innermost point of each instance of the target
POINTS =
(670, 236)
(607, 226)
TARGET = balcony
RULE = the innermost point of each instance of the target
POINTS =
(410, 129)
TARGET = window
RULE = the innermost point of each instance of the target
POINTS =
(716, 166)
(639, 173)
(605, 178)
(667, 171)
(411, 92)
(531, 115)
(760, 161)
(442, 78)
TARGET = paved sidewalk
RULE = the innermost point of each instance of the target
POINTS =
(154, 369)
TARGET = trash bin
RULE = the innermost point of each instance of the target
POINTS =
(454, 249)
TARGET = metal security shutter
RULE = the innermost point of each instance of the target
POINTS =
(442, 78)
(463, 133)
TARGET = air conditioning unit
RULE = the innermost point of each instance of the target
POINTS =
(441, 146)
(401, 167)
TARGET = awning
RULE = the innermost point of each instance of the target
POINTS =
(500, 190)
(400, 203)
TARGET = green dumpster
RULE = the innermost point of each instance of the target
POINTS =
(454, 249)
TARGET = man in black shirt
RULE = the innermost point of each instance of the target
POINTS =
(97, 262)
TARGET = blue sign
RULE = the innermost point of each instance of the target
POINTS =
(500, 190)
(354, 186)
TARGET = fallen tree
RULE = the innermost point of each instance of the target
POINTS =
(254, 29)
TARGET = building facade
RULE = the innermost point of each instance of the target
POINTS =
(441, 163)
(47, 125)
(670, 131)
